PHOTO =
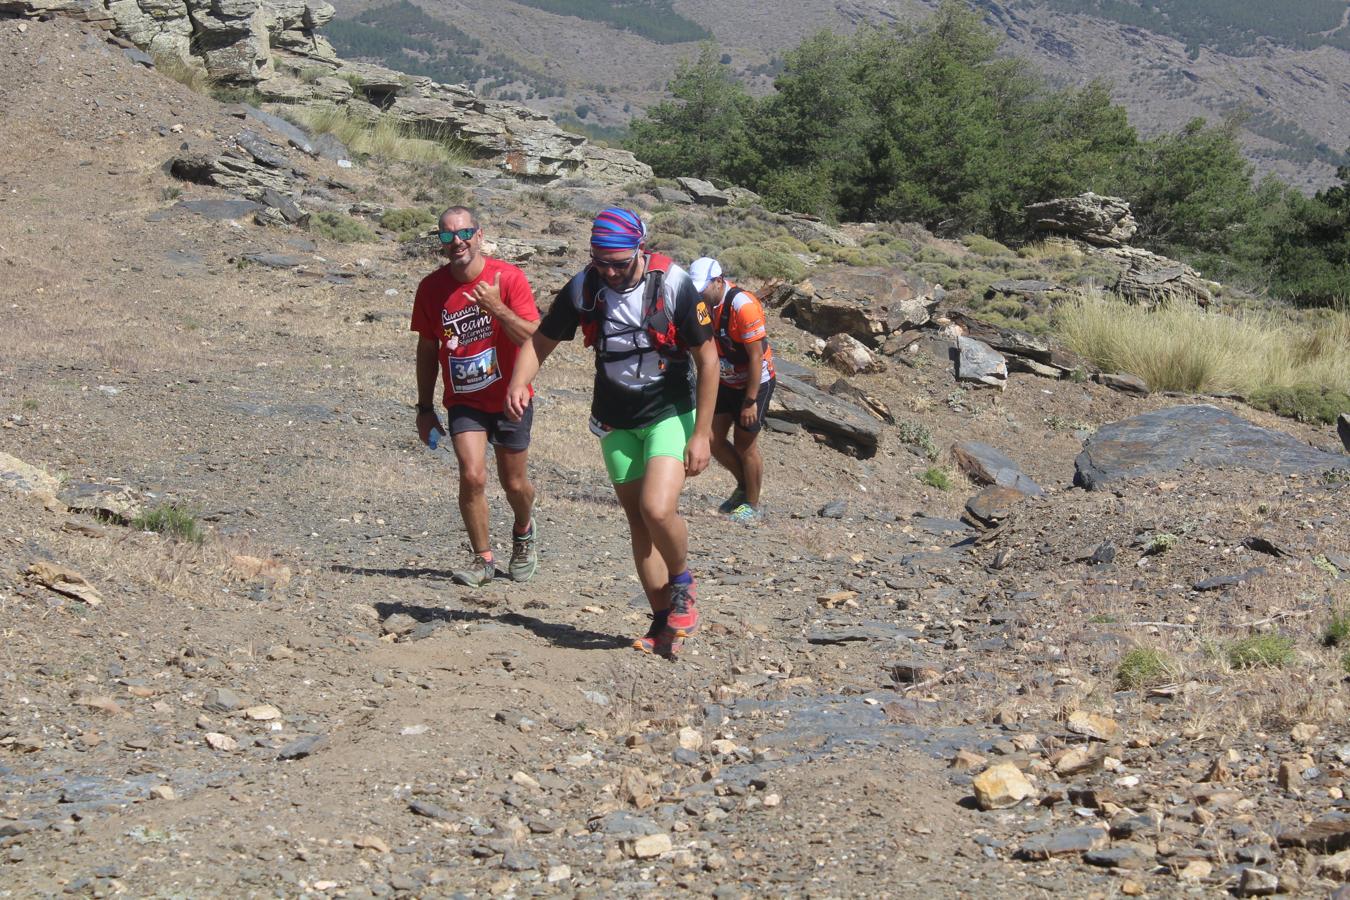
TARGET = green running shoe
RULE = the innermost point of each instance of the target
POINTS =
(525, 553)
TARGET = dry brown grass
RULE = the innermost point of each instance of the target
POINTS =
(1186, 349)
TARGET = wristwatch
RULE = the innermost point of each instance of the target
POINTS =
(423, 408)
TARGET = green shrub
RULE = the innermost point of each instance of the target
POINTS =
(340, 228)
(408, 222)
(937, 477)
(917, 435)
(1160, 543)
(171, 520)
(763, 262)
(983, 246)
(1268, 650)
(1337, 631)
(1143, 668)
(1308, 403)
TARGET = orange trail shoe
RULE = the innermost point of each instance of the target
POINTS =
(655, 636)
(683, 618)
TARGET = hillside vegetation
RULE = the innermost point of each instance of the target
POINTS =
(403, 37)
(655, 20)
(932, 124)
(1230, 26)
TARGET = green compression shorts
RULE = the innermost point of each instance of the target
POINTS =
(626, 450)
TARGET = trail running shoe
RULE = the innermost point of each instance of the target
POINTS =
(745, 514)
(525, 554)
(683, 618)
(477, 573)
(731, 503)
(656, 636)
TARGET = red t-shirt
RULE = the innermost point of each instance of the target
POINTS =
(477, 356)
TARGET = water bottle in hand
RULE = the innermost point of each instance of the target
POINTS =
(434, 437)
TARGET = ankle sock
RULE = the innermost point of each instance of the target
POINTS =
(682, 578)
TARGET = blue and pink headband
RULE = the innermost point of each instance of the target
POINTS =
(616, 228)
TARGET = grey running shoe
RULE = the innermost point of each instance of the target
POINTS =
(736, 499)
(477, 573)
(525, 553)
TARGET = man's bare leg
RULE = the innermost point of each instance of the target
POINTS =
(471, 452)
(752, 464)
(512, 472)
(651, 568)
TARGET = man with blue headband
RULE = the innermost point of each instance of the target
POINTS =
(651, 333)
(472, 315)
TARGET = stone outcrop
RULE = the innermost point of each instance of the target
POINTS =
(1151, 280)
(1101, 221)
(274, 47)
(1191, 439)
(867, 304)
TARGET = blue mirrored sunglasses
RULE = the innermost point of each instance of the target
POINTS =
(463, 234)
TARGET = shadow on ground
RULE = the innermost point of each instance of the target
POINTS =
(559, 635)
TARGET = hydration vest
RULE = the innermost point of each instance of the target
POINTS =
(730, 350)
(656, 321)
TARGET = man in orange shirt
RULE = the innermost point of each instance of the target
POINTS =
(746, 384)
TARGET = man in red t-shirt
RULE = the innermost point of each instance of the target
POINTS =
(471, 315)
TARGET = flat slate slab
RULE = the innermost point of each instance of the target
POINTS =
(1188, 438)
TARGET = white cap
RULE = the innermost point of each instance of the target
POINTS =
(703, 270)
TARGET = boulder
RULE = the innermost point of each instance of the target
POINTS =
(986, 465)
(1001, 786)
(1123, 382)
(1017, 345)
(20, 477)
(992, 506)
(705, 193)
(850, 356)
(867, 303)
(978, 362)
(1343, 429)
(1098, 220)
(1188, 438)
(796, 401)
(1151, 280)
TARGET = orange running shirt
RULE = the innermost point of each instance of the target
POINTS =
(743, 323)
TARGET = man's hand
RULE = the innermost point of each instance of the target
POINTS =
(517, 399)
(426, 421)
(749, 413)
(489, 296)
(696, 454)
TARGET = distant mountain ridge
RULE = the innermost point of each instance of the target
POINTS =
(1290, 82)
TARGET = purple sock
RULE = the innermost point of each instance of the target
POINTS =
(682, 578)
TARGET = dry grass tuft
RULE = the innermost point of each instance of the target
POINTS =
(1185, 349)
(382, 138)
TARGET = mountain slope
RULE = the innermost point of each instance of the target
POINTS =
(1296, 98)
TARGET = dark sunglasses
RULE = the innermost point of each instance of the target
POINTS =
(463, 234)
(614, 265)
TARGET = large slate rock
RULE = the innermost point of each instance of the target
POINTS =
(796, 401)
(1104, 221)
(988, 465)
(1150, 280)
(978, 362)
(1183, 438)
(1343, 429)
(866, 303)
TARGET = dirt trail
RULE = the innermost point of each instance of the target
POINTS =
(505, 741)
